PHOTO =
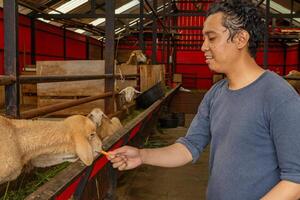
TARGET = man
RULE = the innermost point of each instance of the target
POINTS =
(251, 118)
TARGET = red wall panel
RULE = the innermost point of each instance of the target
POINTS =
(75, 49)
(292, 57)
(49, 44)
(190, 57)
(75, 46)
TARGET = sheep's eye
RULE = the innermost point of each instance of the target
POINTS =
(93, 134)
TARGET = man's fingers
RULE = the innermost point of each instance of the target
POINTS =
(119, 162)
(120, 150)
(123, 166)
(118, 158)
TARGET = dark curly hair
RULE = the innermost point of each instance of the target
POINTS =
(241, 15)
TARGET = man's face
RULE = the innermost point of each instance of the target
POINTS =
(220, 53)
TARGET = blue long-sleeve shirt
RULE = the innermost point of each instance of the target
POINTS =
(254, 136)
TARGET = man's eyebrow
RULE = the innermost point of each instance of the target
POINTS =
(208, 32)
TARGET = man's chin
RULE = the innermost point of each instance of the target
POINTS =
(215, 68)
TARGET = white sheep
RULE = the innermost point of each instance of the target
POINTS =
(25, 140)
(106, 126)
(129, 92)
(136, 57)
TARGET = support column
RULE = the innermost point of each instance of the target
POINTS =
(141, 27)
(266, 39)
(109, 52)
(154, 33)
(11, 61)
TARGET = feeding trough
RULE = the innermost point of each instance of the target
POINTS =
(147, 98)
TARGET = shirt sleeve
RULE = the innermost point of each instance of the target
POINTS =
(198, 135)
(285, 130)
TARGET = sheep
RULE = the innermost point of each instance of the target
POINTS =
(125, 97)
(136, 57)
(294, 83)
(129, 93)
(25, 140)
(106, 126)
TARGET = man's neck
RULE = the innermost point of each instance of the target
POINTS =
(243, 73)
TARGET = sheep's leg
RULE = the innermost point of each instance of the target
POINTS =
(10, 156)
(10, 171)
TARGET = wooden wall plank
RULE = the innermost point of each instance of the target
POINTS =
(125, 70)
(150, 75)
(72, 88)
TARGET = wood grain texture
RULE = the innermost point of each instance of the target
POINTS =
(150, 75)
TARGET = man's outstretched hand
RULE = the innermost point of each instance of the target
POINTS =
(125, 158)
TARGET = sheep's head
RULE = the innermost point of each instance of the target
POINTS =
(140, 57)
(96, 115)
(129, 93)
(87, 143)
(293, 72)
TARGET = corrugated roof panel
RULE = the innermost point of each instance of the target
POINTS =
(127, 6)
(98, 21)
(119, 10)
(281, 9)
(67, 7)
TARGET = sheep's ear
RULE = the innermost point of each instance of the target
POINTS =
(83, 149)
(105, 116)
(122, 91)
(137, 91)
(96, 119)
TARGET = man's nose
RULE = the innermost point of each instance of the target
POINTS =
(204, 46)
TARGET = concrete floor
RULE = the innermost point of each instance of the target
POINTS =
(154, 183)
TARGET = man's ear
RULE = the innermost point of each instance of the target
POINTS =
(83, 149)
(242, 39)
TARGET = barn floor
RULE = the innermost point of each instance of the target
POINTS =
(149, 183)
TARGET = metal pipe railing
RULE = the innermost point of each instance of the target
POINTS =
(60, 106)
(6, 80)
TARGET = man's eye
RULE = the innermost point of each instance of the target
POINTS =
(211, 39)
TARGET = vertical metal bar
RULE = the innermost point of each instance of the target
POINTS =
(11, 63)
(169, 42)
(93, 6)
(102, 49)
(175, 20)
(65, 43)
(292, 10)
(266, 39)
(154, 33)
(163, 48)
(141, 27)
(87, 47)
(284, 58)
(109, 51)
(32, 40)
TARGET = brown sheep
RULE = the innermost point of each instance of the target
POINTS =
(294, 83)
(25, 140)
(106, 126)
